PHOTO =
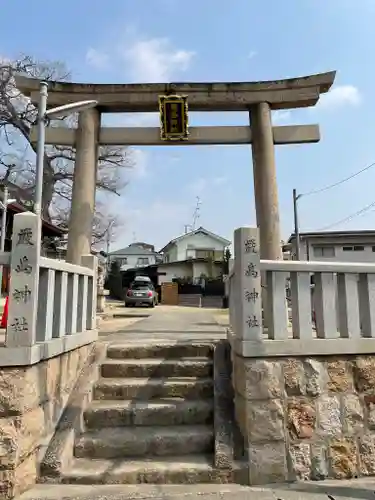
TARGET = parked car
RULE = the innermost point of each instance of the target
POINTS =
(141, 291)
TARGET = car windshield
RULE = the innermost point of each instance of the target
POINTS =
(141, 286)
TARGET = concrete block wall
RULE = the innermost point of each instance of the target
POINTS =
(306, 418)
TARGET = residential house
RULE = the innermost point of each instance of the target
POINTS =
(135, 255)
(339, 246)
(195, 254)
(51, 234)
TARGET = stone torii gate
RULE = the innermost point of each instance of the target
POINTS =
(256, 98)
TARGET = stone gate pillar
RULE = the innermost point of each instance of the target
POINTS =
(265, 184)
(84, 186)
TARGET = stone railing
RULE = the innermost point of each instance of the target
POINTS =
(52, 304)
(336, 315)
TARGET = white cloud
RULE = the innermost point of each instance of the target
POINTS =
(281, 117)
(147, 60)
(198, 186)
(339, 96)
(202, 184)
(156, 60)
(140, 159)
(158, 222)
(97, 58)
(219, 181)
(142, 120)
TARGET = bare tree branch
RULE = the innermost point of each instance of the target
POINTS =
(17, 152)
(105, 225)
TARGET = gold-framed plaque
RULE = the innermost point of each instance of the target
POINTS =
(173, 117)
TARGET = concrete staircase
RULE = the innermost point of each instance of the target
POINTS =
(150, 419)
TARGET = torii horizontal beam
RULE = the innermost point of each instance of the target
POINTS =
(150, 136)
(202, 96)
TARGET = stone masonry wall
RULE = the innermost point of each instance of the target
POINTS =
(31, 401)
(306, 418)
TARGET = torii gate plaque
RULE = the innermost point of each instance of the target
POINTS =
(173, 117)
(258, 99)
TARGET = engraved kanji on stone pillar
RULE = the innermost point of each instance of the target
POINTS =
(248, 284)
(24, 280)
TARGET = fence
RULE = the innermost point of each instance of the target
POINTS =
(52, 304)
(335, 316)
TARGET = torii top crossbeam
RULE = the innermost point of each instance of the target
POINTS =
(217, 96)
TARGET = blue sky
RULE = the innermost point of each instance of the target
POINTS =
(165, 40)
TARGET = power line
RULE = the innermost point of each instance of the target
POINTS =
(349, 217)
(330, 186)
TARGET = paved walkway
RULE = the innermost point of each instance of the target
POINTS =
(164, 323)
(356, 489)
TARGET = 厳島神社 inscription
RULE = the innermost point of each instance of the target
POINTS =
(25, 237)
(251, 296)
(22, 294)
(252, 321)
(20, 325)
(23, 266)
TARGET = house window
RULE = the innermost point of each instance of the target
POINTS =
(142, 261)
(355, 248)
(123, 261)
(324, 251)
(205, 254)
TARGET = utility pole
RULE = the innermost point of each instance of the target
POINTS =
(296, 225)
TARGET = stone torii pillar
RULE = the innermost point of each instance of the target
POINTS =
(84, 186)
(265, 182)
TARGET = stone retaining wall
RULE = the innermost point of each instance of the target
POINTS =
(31, 402)
(306, 418)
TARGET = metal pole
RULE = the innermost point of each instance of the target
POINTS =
(3, 231)
(108, 243)
(296, 226)
(42, 108)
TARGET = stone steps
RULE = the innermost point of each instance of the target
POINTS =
(163, 470)
(157, 367)
(168, 411)
(163, 350)
(144, 389)
(151, 419)
(121, 442)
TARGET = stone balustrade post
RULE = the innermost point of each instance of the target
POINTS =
(100, 302)
(247, 294)
(92, 262)
(24, 281)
